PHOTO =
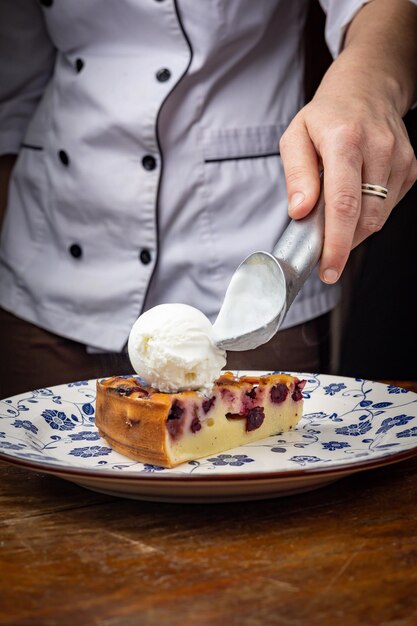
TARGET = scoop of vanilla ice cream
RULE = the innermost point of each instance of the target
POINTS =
(172, 348)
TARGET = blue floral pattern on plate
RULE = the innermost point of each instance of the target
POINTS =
(346, 422)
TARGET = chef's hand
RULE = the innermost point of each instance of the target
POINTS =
(353, 129)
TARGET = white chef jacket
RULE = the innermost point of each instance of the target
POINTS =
(148, 160)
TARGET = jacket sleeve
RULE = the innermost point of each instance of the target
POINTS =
(339, 15)
(26, 62)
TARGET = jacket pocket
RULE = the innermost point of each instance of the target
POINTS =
(24, 229)
(31, 146)
(242, 143)
(245, 201)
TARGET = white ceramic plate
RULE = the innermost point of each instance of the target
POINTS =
(349, 425)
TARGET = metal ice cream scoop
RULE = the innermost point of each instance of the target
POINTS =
(264, 285)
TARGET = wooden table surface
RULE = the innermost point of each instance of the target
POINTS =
(345, 554)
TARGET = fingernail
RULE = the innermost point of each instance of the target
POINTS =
(296, 200)
(330, 275)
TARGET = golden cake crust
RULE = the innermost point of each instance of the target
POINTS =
(134, 419)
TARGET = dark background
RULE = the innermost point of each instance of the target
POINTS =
(379, 338)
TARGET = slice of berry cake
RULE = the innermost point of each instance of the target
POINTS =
(167, 429)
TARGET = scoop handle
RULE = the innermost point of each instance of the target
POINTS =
(300, 247)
